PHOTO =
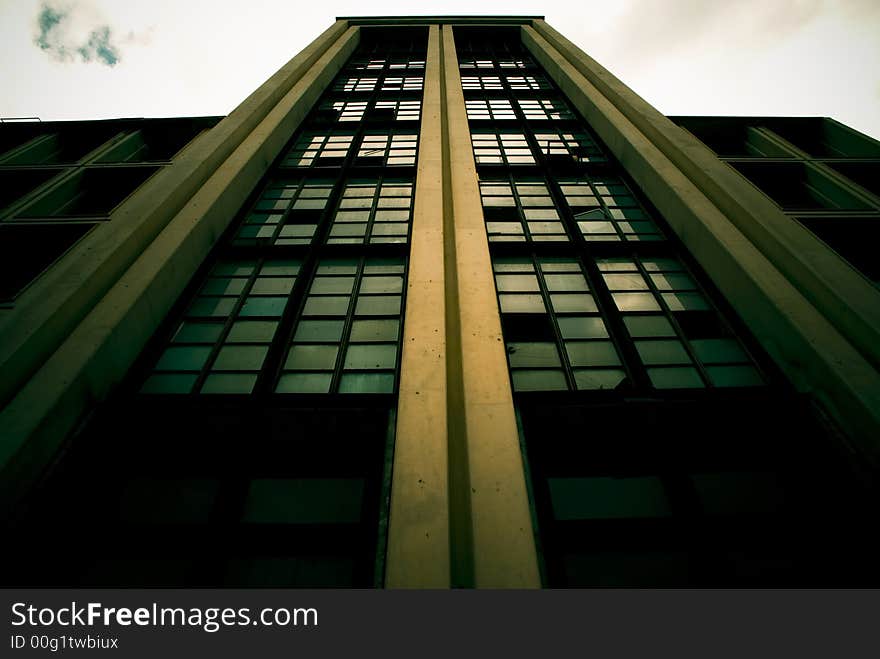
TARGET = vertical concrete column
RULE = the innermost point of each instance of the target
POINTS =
(490, 523)
(459, 503)
(418, 531)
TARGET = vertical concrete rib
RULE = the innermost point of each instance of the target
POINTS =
(491, 528)
(418, 532)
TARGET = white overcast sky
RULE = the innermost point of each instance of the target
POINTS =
(200, 57)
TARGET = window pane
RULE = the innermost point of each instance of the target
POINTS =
(538, 380)
(312, 358)
(229, 383)
(304, 383)
(240, 358)
(368, 331)
(371, 357)
(366, 383)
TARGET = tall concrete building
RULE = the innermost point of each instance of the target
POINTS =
(441, 304)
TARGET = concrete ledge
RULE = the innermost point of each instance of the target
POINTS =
(100, 350)
(849, 301)
(809, 349)
(49, 310)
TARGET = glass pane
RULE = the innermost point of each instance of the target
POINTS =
(516, 283)
(319, 330)
(538, 380)
(719, 351)
(191, 332)
(368, 331)
(370, 357)
(304, 383)
(367, 383)
(592, 353)
(272, 285)
(675, 378)
(212, 306)
(662, 352)
(685, 301)
(229, 383)
(582, 327)
(332, 285)
(252, 331)
(240, 358)
(326, 306)
(532, 354)
(569, 303)
(183, 358)
(521, 303)
(635, 302)
(263, 306)
(378, 305)
(640, 326)
(312, 358)
(606, 378)
(381, 285)
(565, 282)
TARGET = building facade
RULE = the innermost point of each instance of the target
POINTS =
(441, 304)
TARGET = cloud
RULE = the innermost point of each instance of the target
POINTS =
(66, 32)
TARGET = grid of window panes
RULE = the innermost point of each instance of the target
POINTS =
(221, 344)
(337, 209)
(555, 336)
(605, 209)
(373, 211)
(286, 213)
(347, 336)
(634, 316)
(519, 210)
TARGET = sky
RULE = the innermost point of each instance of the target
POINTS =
(91, 59)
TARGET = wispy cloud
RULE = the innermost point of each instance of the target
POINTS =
(66, 32)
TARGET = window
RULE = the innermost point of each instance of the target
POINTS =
(520, 211)
(408, 84)
(501, 148)
(568, 145)
(606, 210)
(543, 109)
(287, 213)
(344, 111)
(679, 337)
(222, 342)
(402, 110)
(481, 82)
(355, 84)
(388, 148)
(498, 109)
(319, 149)
(373, 211)
(528, 82)
(347, 338)
(555, 336)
